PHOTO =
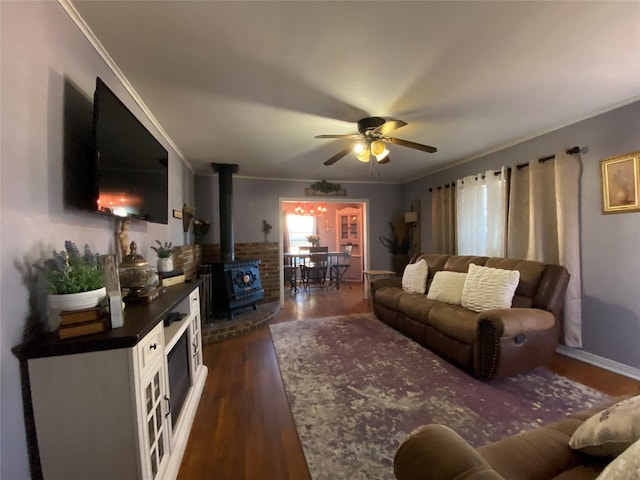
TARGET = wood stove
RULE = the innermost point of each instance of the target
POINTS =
(235, 283)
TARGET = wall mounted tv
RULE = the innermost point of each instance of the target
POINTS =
(128, 175)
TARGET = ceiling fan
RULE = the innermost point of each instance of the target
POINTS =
(369, 142)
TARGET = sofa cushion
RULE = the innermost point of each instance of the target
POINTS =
(415, 306)
(488, 288)
(454, 321)
(460, 263)
(389, 297)
(530, 274)
(611, 431)
(447, 287)
(414, 278)
(625, 467)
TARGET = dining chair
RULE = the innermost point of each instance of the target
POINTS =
(314, 271)
(341, 266)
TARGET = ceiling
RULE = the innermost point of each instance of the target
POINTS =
(252, 82)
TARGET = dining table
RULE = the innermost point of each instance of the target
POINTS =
(293, 260)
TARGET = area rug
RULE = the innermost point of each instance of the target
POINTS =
(357, 387)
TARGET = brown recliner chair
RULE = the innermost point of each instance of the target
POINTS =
(436, 452)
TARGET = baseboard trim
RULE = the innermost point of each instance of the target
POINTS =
(605, 363)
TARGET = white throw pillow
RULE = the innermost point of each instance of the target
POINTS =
(611, 431)
(626, 466)
(486, 288)
(447, 287)
(414, 278)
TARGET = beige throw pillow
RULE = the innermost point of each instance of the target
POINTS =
(414, 278)
(447, 287)
(487, 288)
(611, 431)
(626, 466)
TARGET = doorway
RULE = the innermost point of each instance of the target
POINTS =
(335, 222)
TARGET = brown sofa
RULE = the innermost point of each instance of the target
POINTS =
(436, 452)
(490, 344)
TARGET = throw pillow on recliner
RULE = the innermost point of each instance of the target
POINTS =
(611, 431)
(414, 278)
(447, 287)
(486, 288)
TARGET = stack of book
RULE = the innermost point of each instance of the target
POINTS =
(82, 322)
(173, 277)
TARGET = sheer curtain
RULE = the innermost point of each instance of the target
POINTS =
(544, 226)
(481, 211)
(443, 220)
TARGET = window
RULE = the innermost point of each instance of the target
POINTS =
(481, 206)
(299, 227)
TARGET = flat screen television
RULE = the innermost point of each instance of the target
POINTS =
(128, 174)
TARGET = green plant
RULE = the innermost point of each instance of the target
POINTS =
(70, 271)
(313, 239)
(163, 250)
(326, 187)
(399, 242)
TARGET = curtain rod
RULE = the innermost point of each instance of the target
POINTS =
(569, 151)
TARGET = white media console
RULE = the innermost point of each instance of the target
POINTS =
(119, 404)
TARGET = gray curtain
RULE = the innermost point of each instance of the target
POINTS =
(543, 225)
(443, 220)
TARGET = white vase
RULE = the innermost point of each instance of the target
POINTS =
(73, 301)
(165, 264)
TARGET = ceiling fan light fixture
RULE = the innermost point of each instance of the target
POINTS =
(358, 148)
(383, 155)
(377, 147)
(363, 156)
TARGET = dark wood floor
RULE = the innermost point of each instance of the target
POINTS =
(243, 427)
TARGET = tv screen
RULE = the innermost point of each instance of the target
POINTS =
(131, 165)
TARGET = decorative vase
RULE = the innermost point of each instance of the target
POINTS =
(73, 301)
(165, 264)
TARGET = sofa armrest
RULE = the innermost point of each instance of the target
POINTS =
(513, 340)
(510, 322)
(377, 283)
(436, 452)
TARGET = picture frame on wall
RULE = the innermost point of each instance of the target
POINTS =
(621, 183)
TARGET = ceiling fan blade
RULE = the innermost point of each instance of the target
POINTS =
(385, 160)
(407, 143)
(340, 154)
(389, 126)
(348, 135)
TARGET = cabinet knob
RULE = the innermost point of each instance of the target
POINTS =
(153, 346)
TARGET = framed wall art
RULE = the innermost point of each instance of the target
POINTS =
(621, 183)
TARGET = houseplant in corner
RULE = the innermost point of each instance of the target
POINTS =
(165, 256)
(398, 244)
(74, 280)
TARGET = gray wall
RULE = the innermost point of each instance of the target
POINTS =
(610, 255)
(46, 61)
(256, 200)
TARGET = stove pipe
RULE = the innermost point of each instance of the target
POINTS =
(225, 173)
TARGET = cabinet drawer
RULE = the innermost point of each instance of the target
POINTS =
(151, 347)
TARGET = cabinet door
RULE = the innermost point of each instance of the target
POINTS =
(157, 408)
(195, 347)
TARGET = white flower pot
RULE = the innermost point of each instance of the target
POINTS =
(73, 301)
(165, 264)
(77, 301)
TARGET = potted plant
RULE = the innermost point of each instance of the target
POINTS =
(165, 256)
(74, 280)
(398, 244)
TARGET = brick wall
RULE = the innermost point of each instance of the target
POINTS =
(266, 252)
(188, 258)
